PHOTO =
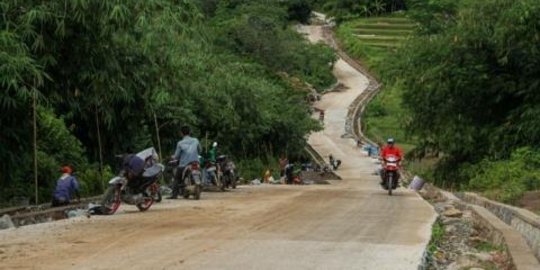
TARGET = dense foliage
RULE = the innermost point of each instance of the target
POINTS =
(471, 81)
(228, 68)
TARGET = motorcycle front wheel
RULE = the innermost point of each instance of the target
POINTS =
(111, 200)
(390, 184)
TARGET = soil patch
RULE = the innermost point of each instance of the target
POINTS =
(319, 178)
(531, 201)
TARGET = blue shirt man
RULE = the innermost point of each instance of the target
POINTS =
(66, 186)
(187, 151)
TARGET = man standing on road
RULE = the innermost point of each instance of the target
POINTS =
(187, 151)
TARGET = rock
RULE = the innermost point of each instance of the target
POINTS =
(76, 213)
(439, 206)
(450, 229)
(452, 212)
(450, 221)
(483, 256)
(463, 262)
(165, 191)
(6, 223)
(475, 240)
(256, 182)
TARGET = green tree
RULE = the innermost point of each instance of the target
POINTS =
(471, 87)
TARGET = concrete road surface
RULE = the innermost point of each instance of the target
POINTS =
(350, 224)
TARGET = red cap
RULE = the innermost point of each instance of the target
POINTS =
(67, 169)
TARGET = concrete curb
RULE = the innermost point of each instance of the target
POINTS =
(523, 221)
(500, 233)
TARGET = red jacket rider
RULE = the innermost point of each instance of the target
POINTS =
(391, 150)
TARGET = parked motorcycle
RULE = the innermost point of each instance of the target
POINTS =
(390, 173)
(191, 178)
(228, 171)
(214, 174)
(141, 191)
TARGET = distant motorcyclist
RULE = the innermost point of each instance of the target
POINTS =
(390, 150)
(187, 151)
(66, 187)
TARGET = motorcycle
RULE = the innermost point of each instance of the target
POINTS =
(214, 174)
(391, 174)
(191, 179)
(141, 192)
(228, 173)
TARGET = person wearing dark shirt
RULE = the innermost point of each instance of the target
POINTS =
(133, 167)
(66, 187)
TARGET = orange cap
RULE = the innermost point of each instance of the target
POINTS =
(67, 169)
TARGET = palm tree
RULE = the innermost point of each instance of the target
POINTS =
(364, 10)
(378, 7)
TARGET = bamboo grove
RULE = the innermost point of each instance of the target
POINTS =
(111, 76)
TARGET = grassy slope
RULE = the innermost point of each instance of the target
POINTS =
(372, 41)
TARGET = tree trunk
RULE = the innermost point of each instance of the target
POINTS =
(157, 134)
(34, 111)
(99, 150)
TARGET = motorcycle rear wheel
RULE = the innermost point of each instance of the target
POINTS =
(148, 201)
(220, 183)
(197, 192)
(146, 204)
(232, 177)
(185, 194)
(186, 191)
(156, 193)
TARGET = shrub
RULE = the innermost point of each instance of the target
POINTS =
(506, 180)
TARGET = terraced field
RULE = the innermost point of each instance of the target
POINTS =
(370, 39)
(386, 32)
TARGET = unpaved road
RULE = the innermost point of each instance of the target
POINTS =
(351, 224)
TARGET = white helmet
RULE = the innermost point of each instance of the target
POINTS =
(214, 144)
